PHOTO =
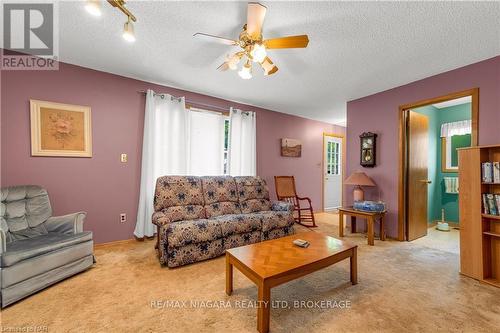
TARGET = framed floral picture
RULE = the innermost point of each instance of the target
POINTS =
(60, 129)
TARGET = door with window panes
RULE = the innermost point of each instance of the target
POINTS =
(332, 169)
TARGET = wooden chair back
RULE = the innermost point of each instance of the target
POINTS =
(285, 187)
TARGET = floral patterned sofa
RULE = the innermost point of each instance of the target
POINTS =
(200, 217)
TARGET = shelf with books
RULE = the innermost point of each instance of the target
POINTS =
(479, 205)
(491, 204)
(488, 216)
(490, 172)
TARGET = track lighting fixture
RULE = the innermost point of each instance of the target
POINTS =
(94, 8)
(128, 31)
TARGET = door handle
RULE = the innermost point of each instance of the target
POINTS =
(425, 181)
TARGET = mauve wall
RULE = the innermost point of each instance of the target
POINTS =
(379, 113)
(103, 186)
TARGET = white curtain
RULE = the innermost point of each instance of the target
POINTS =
(206, 153)
(164, 151)
(456, 128)
(242, 143)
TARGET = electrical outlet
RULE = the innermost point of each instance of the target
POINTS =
(123, 218)
(123, 158)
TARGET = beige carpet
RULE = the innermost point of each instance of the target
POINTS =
(403, 287)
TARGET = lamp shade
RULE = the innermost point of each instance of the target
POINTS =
(359, 178)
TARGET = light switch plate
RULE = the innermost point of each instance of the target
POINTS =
(123, 158)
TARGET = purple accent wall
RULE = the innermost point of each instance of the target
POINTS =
(103, 186)
(379, 113)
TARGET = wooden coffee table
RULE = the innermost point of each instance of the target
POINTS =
(274, 262)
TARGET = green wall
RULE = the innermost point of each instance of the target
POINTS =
(437, 198)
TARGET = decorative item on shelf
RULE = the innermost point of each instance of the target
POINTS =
(368, 149)
(369, 206)
(60, 129)
(359, 179)
(291, 147)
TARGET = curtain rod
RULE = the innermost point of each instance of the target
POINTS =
(191, 102)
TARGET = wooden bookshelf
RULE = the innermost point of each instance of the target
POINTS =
(488, 216)
(479, 232)
(489, 233)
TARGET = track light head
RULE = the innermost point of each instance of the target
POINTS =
(128, 31)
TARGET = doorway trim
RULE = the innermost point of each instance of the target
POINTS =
(402, 170)
(341, 136)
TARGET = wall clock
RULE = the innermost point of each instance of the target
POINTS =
(368, 149)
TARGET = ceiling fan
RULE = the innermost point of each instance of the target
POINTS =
(253, 45)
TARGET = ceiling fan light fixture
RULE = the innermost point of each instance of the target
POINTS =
(128, 31)
(93, 7)
(258, 52)
(246, 71)
(268, 66)
(233, 61)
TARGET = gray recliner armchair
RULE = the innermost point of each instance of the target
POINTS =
(36, 248)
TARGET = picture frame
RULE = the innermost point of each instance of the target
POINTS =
(368, 149)
(291, 147)
(60, 130)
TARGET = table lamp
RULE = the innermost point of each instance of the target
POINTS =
(359, 179)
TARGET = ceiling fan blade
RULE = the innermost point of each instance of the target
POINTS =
(223, 67)
(289, 42)
(255, 18)
(268, 66)
(217, 39)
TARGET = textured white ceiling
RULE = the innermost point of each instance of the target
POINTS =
(355, 49)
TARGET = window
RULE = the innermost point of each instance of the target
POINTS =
(332, 158)
(209, 143)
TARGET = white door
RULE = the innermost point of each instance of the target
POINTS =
(332, 169)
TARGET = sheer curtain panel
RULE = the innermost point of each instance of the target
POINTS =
(164, 151)
(242, 143)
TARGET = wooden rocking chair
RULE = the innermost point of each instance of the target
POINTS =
(285, 191)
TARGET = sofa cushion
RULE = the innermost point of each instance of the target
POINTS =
(35, 266)
(238, 223)
(253, 194)
(188, 254)
(274, 220)
(242, 239)
(24, 206)
(277, 233)
(28, 233)
(220, 195)
(183, 233)
(180, 213)
(32, 247)
(173, 193)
